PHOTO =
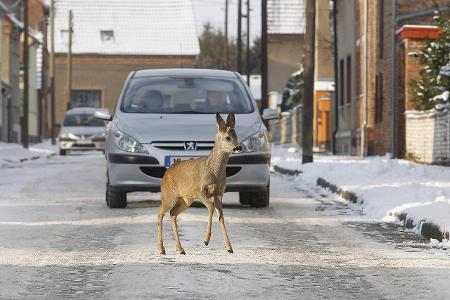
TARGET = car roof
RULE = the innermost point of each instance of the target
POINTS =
(85, 110)
(185, 72)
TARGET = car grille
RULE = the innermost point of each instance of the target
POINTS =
(158, 172)
(84, 145)
(169, 145)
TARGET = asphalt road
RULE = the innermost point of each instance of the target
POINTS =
(59, 240)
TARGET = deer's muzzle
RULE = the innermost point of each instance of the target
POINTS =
(237, 149)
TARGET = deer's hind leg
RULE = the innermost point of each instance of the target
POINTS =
(174, 212)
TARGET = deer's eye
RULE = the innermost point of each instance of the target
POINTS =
(228, 138)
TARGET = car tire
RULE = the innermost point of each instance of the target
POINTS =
(115, 199)
(260, 199)
(62, 151)
(245, 198)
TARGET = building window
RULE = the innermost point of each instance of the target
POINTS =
(107, 36)
(379, 98)
(349, 79)
(380, 28)
(85, 98)
(341, 82)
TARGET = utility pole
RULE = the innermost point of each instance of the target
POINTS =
(308, 99)
(239, 38)
(225, 42)
(69, 60)
(25, 76)
(248, 43)
(52, 79)
(264, 79)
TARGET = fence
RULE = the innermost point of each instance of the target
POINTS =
(287, 130)
(428, 135)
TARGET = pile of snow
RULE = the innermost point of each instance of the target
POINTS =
(387, 187)
(11, 153)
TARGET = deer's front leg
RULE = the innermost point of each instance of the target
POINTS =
(204, 199)
(218, 205)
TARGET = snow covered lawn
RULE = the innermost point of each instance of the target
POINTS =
(387, 188)
(11, 153)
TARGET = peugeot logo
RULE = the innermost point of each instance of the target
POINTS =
(190, 145)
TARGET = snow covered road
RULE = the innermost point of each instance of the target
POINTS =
(58, 240)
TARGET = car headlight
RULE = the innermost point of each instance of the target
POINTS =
(127, 143)
(68, 136)
(256, 142)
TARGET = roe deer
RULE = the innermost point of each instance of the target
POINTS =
(202, 178)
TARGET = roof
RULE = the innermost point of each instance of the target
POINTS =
(184, 72)
(117, 27)
(286, 16)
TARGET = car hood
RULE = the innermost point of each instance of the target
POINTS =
(83, 130)
(147, 128)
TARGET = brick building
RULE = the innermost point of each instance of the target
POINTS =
(365, 61)
(112, 38)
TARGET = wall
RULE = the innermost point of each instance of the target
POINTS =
(428, 136)
(105, 73)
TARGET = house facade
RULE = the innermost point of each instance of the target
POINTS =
(11, 74)
(111, 39)
(371, 121)
(285, 40)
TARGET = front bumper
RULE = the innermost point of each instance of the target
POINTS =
(85, 145)
(133, 172)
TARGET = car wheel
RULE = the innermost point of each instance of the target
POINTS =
(245, 198)
(260, 199)
(62, 151)
(115, 199)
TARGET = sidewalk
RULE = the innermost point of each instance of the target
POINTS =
(413, 195)
(12, 154)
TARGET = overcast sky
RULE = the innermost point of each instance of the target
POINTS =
(214, 12)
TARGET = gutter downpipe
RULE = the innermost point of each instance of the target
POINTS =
(336, 85)
(366, 80)
(394, 81)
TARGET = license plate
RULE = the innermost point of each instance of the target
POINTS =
(84, 142)
(173, 159)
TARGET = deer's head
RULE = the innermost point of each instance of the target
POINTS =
(226, 138)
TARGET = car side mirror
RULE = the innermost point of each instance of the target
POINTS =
(270, 114)
(103, 116)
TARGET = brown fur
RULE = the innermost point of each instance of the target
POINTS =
(199, 179)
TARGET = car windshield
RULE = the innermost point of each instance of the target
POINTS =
(190, 95)
(82, 120)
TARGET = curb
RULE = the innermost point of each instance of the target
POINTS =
(427, 229)
(284, 171)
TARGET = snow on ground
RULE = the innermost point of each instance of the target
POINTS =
(386, 186)
(11, 153)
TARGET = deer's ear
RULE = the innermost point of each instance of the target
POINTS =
(220, 122)
(230, 120)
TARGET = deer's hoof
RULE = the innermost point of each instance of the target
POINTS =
(182, 252)
(230, 250)
(206, 243)
(162, 251)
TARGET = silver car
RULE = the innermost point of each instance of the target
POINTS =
(167, 115)
(80, 130)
